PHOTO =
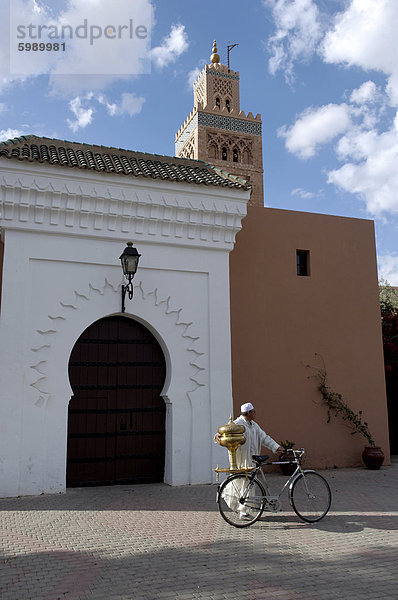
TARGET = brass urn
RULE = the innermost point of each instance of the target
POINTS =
(231, 437)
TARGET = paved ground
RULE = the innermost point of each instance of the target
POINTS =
(157, 542)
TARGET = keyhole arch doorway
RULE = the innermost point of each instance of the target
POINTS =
(116, 416)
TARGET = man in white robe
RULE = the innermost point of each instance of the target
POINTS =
(255, 439)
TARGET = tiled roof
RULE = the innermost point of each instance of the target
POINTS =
(116, 160)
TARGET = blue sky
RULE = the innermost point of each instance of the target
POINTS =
(323, 74)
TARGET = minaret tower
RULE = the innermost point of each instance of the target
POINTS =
(218, 132)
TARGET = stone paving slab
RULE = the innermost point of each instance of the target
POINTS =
(155, 542)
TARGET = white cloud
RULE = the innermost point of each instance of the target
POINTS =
(388, 268)
(298, 31)
(314, 127)
(6, 79)
(122, 54)
(83, 66)
(370, 157)
(356, 144)
(368, 105)
(362, 35)
(171, 47)
(9, 134)
(365, 94)
(192, 76)
(392, 89)
(365, 35)
(306, 195)
(130, 104)
(372, 172)
(83, 115)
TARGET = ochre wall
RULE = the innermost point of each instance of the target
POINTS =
(279, 321)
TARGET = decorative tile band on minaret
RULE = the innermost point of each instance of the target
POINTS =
(218, 132)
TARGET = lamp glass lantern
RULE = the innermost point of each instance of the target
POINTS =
(129, 260)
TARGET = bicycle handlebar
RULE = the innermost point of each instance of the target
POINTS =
(297, 453)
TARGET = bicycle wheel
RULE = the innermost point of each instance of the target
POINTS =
(310, 496)
(240, 500)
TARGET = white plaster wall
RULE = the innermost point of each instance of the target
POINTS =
(57, 281)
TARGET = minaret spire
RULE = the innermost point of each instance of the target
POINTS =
(215, 58)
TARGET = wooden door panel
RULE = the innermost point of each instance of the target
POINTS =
(116, 427)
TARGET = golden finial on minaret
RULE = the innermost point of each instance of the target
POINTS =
(215, 57)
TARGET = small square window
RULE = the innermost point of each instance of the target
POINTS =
(303, 262)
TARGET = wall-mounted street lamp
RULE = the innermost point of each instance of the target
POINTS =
(129, 260)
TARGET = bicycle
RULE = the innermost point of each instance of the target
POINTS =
(243, 497)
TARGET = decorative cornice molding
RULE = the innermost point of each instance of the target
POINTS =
(225, 75)
(216, 69)
(154, 211)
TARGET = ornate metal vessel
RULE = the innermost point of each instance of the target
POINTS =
(231, 437)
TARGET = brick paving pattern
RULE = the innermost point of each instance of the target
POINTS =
(155, 542)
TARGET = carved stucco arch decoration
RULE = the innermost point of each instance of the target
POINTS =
(212, 140)
(189, 150)
(200, 91)
(53, 345)
(247, 157)
(230, 141)
(238, 153)
(213, 150)
(222, 87)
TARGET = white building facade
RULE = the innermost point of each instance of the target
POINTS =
(64, 224)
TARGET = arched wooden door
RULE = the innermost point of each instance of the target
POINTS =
(116, 423)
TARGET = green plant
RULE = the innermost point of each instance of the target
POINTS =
(337, 406)
(388, 297)
(286, 445)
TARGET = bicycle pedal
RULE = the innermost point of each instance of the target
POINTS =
(273, 506)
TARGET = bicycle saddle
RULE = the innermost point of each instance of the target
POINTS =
(260, 459)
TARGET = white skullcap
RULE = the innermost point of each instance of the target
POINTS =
(246, 407)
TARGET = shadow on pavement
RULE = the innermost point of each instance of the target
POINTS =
(230, 570)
